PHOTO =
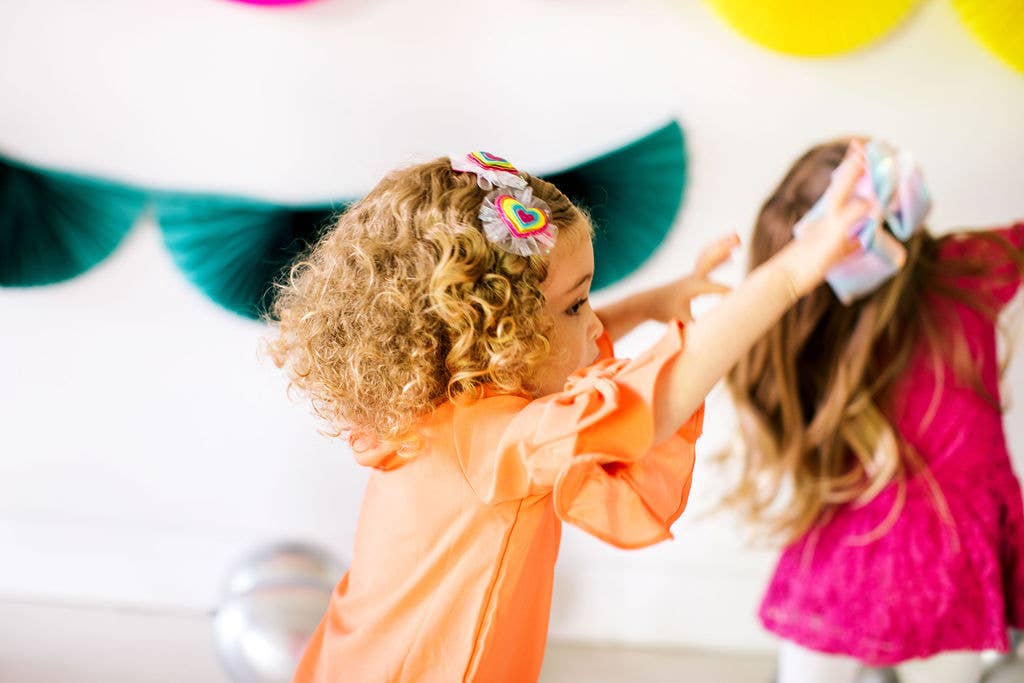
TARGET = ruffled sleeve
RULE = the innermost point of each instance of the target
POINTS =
(591, 446)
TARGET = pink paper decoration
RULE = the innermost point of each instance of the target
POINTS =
(273, 2)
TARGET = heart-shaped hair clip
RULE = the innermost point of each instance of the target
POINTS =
(513, 219)
(518, 222)
(491, 170)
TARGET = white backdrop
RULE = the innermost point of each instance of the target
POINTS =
(144, 445)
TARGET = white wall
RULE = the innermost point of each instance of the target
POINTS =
(143, 443)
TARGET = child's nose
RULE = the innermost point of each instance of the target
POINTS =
(596, 327)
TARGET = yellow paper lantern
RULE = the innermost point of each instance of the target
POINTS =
(998, 25)
(813, 29)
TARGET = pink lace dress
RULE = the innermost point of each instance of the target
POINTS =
(949, 574)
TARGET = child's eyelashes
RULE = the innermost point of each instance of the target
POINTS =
(576, 306)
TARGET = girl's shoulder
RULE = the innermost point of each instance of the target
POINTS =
(991, 243)
(994, 259)
(481, 420)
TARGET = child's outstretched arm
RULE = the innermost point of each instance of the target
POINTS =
(719, 339)
(671, 300)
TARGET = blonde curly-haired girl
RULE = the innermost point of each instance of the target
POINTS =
(443, 326)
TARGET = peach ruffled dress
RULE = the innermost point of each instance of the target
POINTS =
(455, 549)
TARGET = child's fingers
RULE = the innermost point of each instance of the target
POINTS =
(852, 246)
(702, 287)
(846, 178)
(716, 254)
(856, 210)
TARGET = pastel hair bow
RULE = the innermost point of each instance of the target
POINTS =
(894, 181)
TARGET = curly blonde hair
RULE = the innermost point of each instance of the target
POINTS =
(404, 304)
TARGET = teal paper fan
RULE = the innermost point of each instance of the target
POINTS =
(55, 226)
(234, 249)
(633, 195)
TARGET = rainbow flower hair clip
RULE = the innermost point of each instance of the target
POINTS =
(892, 179)
(512, 218)
(518, 222)
(491, 170)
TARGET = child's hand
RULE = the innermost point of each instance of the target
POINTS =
(830, 240)
(673, 299)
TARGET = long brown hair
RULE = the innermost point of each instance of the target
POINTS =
(808, 393)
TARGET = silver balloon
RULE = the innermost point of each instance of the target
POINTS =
(273, 601)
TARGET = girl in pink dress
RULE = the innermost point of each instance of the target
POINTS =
(874, 446)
